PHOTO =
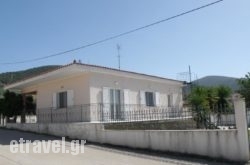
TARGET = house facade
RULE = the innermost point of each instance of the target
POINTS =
(94, 93)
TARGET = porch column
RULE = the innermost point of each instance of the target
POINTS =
(24, 109)
(1, 120)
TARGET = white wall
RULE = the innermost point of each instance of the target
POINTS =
(79, 84)
(98, 81)
(225, 144)
(87, 88)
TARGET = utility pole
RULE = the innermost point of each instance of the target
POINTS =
(190, 78)
(118, 55)
(190, 74)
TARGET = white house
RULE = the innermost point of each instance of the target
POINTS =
(81, 92)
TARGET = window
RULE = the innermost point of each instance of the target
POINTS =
(169, 101)
(149, 99)
(115, 103)
(62, 99)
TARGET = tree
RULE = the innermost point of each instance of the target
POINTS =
(12, 104)
(30, 105)
(200, 105)
(1, 109)
(197, 98)
(212, 98)
(223, 93)
(244, 90)
(205, 100)
(1, 105)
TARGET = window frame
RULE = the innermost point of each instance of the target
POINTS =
(115, 103)
(169, 97)
(62, 99)
(150, 99)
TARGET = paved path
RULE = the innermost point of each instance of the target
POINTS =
(93, 154)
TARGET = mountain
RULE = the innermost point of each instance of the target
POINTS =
(1, 90)
(10, 77)
(218, 80)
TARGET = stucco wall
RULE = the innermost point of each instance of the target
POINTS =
(226, 144)
(98, 81)
(79, 84)
(87, 88)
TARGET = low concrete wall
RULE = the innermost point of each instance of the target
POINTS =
(226, 144)
(212, 143)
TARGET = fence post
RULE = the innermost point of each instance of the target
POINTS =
(37, 116)
(66, 114)
(241, 125)
(1, 121)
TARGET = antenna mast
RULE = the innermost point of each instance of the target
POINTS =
(119, 56)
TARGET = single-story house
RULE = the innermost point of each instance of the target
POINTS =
(82, 92)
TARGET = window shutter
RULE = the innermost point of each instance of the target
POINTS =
(126, 96)
(170, 100)
(105, 95)
(54, 101)
(157, 98)
(126, 105)
(142, 98)
(106, 103)
(70, 98)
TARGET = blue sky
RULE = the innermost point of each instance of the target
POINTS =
(213, 41)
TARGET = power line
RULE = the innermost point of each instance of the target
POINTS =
(118, 55)
(115, 36)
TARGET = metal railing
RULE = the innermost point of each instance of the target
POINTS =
(28, 119)
(113, 113)
(108, 113)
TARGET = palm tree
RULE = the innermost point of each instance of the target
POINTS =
(212, 98)
(223, 93)
(244, 90)
(200, 106)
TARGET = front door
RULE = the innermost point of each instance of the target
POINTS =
(115, 104)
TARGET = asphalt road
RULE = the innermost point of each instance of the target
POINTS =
(93, 154)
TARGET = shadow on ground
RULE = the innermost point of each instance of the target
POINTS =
(6, 136)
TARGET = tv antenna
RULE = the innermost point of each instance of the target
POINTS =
(118, 55)
(190, 73)
(187, 76)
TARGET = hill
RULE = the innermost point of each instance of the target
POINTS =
(218, 80)
(10, 77)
